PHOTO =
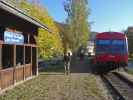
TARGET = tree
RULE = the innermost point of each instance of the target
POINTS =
(13, 2)
(129, 33)
(50, 44)
(77, 22)
(63, 29)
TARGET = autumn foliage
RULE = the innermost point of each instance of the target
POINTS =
(50, 44)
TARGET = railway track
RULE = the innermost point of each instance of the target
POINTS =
(120, 87)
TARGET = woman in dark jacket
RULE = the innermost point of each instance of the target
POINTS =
(67, 59)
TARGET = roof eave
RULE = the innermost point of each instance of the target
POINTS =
(11, 9)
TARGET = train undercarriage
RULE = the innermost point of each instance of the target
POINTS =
(102, 67)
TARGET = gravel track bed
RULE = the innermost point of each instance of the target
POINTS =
(122, 87)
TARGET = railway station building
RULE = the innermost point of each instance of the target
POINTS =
(18, 46)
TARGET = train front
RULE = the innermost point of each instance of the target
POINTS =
(111, 51)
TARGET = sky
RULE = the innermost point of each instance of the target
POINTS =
(105, 15)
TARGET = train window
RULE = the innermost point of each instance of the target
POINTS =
(103, 42)
(117, 42)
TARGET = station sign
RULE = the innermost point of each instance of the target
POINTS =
(13, 38)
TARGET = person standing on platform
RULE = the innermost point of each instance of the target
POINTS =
(67, 60)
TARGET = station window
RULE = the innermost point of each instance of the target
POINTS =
(25, 38)
(19, 55)
(32, 39)
(7, 56)
(27, 55)
(2, 29)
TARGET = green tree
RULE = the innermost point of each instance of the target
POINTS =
(129, 33)
(66, 40)
(50, 44)
(77, 22)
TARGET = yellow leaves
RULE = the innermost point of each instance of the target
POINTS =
(49, 43)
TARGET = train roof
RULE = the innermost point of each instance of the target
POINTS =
(111, 35)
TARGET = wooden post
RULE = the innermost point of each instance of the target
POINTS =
(0, 56)
(31, 60)
(36, 60)
(0, 66)
(28, 38)
(24, 64)
(14, 64)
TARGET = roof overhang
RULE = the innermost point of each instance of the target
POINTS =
(17, 12)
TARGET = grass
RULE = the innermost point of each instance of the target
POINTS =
(26, 91)
(91, 87)
(34, 89)
(54, 85)
(129, 71)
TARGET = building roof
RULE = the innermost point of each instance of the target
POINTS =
(15, 11)
(92, 36)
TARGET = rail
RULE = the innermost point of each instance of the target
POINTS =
(122, 87)
(113, 91)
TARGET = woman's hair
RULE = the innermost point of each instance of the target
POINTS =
(69, 54)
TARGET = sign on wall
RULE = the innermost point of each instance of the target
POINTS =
(13, 38)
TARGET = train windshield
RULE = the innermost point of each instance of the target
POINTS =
(111, 46)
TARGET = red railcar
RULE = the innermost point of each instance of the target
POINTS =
(111, 51)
